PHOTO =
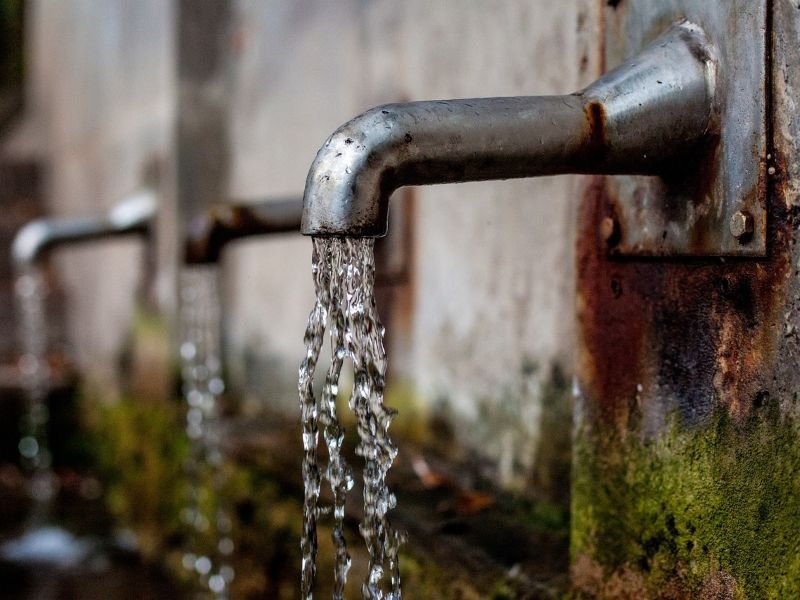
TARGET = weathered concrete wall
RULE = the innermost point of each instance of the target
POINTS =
(492, 279)
(489, 308)
(101, 89)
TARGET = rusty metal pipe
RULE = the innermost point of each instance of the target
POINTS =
(638, 119)
(226, 222)
(132, 216)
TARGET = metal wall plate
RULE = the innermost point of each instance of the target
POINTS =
(695, 210)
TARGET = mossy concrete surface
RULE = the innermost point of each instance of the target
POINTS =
(695, 512)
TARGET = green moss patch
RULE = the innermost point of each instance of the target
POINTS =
(693, 512)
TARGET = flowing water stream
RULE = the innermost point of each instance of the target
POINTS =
(209, 543)
(344, 272)
(41, 542)
(31, 296)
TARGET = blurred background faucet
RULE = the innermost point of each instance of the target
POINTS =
(132, 216)
(226, 222)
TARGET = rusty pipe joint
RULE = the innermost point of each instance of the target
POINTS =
(639, 118)
(226, 222)
(132, 216)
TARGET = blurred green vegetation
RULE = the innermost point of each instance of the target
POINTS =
(139, 447)
(139, 451)
(696, 512)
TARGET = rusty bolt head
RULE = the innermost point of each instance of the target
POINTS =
(741, 225)
(609, 230)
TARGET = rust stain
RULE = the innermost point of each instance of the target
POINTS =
(611, 317)
(690, 332)
(596, 137)
(211, 231)
(224, 223)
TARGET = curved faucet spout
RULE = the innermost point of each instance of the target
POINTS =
(635, 120)
(227, 222)
(134, 215)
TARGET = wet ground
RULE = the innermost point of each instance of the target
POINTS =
(466, 539)
(106, 577)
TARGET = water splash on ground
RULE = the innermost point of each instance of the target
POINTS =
(344, 274)
(209, 542)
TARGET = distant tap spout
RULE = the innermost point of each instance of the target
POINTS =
(225, 222)
(133, 215)
(637, 119)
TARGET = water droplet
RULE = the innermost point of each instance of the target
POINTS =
(216, 583)
(188, 351)
(28, 447)
(227, 573)
(194, 398)
(225, 546)
(203, 565)
(188, 561)
(194, 417)
(216, 386)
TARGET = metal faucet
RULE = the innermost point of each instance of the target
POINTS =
(638, 119)
(133, 215)
(225, 222)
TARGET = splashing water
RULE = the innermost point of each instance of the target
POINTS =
(344, 274)
(40, 543)
(30, 293)
(209, 544)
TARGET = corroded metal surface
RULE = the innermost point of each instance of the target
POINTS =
(690, 334)
(666, 336)
(687, 211)
(650, 112)
(687, 426)
(226, 222)
(695, 333)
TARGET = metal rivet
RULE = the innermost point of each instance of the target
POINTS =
(609, 230)
(741, 225)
